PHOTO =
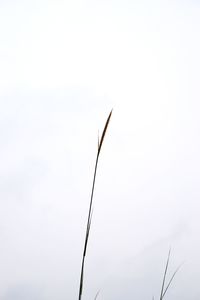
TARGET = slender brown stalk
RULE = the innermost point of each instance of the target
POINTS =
(89, 219)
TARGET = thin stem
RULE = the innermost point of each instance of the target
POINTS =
(171, 280)
(87, 230)
(89, 219)
(164, 277)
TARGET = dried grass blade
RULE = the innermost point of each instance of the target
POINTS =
(165, 273)
(89, 219)
(104, 132)
(171, 280)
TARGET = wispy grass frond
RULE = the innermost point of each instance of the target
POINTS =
(165, 289)
(174, 274)
(89, 219)
(165, 273)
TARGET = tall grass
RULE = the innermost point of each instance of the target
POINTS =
(164, 286)
(89, 219)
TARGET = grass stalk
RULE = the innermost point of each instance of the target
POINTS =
(165, 289)
(89, 219)
(165, 274)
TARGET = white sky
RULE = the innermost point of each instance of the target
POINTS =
(63, 66)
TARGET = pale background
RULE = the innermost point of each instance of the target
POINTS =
(63, 66)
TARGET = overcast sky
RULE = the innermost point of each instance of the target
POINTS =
(63, 65)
